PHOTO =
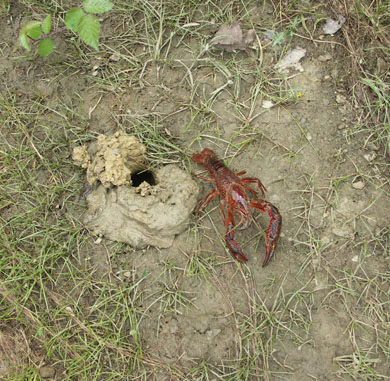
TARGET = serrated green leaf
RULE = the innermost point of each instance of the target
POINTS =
(73, 18)
(45, 47)
(23, 39)
(33, 29)
(46, 25)
(89, 30)
(97, 6)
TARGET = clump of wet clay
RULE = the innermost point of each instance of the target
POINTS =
(151, 213)
(144, 215)
(112, 160)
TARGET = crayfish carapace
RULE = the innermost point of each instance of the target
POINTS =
(233, 191)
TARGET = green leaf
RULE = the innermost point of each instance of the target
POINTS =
(45, 47)
(97, 6)
(33, 29)
(89, 30)
(23, 39)
(73, 18)
(46, 25)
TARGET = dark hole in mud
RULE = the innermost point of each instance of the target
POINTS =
(139, 177)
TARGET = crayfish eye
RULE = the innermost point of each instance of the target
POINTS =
(139, 177)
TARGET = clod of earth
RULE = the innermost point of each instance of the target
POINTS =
(267, 104)
(269, 35)
(142, 208)
(144, 215)
(47, 372)
(112, 160)
(291, 60)
(231, 38)
(332, 26)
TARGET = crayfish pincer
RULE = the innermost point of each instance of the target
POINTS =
(234, 191)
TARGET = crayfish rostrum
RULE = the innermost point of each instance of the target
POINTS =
(234, 191)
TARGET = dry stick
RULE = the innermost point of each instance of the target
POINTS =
(323, 41)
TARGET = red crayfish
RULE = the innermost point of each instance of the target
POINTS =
(233, 191)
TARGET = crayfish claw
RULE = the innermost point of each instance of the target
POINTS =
(236, 251)
(268, 254)
(233, 246)
(273, 231)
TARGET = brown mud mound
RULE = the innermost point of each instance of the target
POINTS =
(144, 215)
(112, 160)
(145, 209)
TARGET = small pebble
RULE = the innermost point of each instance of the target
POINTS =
(372, 147)
(127, 274)
(115, 57)
(213, 332)
(370, 156)
(269, 35)
(325, 240)
(340, 99)
(358, 184)
(267, 104)
(47, 372)
(325, 57)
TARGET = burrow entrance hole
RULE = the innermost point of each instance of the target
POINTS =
(139, 177)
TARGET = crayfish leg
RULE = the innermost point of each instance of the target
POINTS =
(203, 177)
(254, 180)
(206, 201)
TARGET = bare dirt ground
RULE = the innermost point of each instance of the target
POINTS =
(83, 307)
